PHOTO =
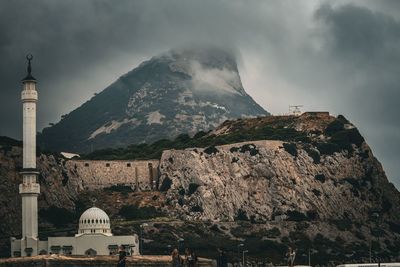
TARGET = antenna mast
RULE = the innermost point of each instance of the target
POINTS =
(295, 110)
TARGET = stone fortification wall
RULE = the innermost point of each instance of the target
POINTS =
(141, 175)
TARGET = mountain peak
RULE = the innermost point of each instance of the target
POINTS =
(184, 90)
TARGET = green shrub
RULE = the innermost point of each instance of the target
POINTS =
(301, 226)
(196, 208)
(251, 148)
(166, 184)
(300, 239)
(199, 135)
(234, 159)
(386, 205)
(192, 188)
(215, 228)
(290, 148)
(272, 233)
(334, 127)
(58, 216)
(294, 215)
(234, 149)
(151, 151)
(312, 153)
(316, 192)
(131, 212)
(394, 227)
(320, 177)
(181, 191)
(312, 215)
(343, 224)
(355, 184)
(241, 216)
(327, 148)
(359, 235)
(211, 150)
(119, 188)
(342, 119)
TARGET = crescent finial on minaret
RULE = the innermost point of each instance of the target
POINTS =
(29, 76)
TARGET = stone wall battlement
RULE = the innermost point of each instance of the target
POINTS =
(141, 175)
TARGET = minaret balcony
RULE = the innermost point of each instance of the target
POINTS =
(31, 188)
(29, 95)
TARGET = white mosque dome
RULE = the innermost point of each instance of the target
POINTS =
(94, 221)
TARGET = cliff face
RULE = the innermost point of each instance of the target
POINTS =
(261, 180)
(322, 170)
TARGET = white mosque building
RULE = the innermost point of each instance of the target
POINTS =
(94, 235)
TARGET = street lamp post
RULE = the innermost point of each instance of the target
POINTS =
(238, 251)
(142, 226)
(181, 245)
(378, 233)
(244, 252)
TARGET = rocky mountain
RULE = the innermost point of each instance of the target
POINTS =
(181, 91)
(309, 181)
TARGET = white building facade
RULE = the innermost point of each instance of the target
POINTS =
(94, 235)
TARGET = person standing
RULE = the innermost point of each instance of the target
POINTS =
(291, 255)
(187, 257)
(121, 256)
(192, 259)
(176, 259)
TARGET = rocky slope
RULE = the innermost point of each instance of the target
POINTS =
(331, 175)
(181, 91)
(308, 181)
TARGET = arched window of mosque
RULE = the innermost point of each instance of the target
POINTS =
(97, 221)
(92, 220)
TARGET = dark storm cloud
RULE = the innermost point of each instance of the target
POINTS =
(341, 56)
(366, 47)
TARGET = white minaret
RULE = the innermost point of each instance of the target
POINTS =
(29, 189)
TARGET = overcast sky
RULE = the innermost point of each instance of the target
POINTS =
(340, 56)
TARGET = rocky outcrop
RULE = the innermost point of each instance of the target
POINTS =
(261, 180)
